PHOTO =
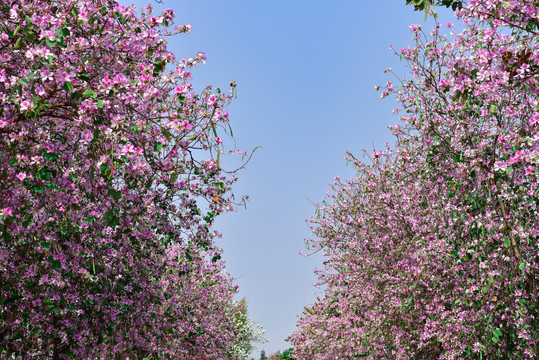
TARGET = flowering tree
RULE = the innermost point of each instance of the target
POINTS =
(431, 249)
(109, 185)
(249, 332)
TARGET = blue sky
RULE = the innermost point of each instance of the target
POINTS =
(306, 72)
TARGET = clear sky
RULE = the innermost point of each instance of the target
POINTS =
(306, 72)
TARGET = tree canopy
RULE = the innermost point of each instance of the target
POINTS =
(110, 183)
(431, 250)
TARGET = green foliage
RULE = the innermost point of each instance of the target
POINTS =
(424, 5)
(288, 354)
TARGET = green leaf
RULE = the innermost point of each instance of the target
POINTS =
(116, 195)
(16, 31)
(12, 299)
(23, 80)
(134, 128)
(51, 156)
(45, 244)
(158, 146)
(148, 184)
(92, 174)
(522, 266)
(68, 87)
(105, 170)
(458, 158)
(495, 339)
(99, 104)
(497, 333)
(48, 61)
(18, 43)
(84, 77)
(89, 219)
(38, 189)
(111, 219)
(506, 242)
(167, 135)
(56, 264)
(89, 93)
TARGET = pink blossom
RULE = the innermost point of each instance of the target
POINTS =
(500, 166)
(534, 120)
(211, 100)
(87, 135)
(40, 90)
(46, 75)
(201, 57)
(180, 90)
(13, 14)
(66, 77)
(25, 105)
(186, 125)
(107, 82)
